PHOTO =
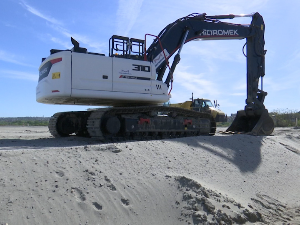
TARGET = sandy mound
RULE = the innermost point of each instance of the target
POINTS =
(233, 179)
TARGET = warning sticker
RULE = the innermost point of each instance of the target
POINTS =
(56, 75)
(160, 58)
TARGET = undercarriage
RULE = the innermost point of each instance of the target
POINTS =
(132, 123)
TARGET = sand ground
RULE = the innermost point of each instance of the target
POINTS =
(221, 179)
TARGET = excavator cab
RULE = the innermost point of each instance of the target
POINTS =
(201, 105)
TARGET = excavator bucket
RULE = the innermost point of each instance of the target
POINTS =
(255, 125)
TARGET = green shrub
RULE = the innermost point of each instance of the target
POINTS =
(285, 118)
(24, 123)
(223, 124)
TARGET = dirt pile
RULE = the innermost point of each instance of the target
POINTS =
(207, 206)
(234, 179)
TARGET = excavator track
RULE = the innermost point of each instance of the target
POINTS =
(94, 124)
(52, 125)
(133, 123)
(63, 124)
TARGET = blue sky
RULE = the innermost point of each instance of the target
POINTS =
(209, 69)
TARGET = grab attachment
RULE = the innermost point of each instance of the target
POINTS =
(253, 124)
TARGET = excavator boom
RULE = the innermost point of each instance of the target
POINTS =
(254, 118)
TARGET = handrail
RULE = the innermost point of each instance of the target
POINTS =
(145, 57)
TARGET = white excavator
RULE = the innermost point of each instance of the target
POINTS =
(129, 81)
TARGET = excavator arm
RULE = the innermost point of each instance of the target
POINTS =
(254, 118)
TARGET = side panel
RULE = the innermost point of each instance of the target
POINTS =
(159, 88)
(91, 72)
(91, 77)
(132, 76)
(55, 78)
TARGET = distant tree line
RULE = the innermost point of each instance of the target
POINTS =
(24, 121)
(281, 118)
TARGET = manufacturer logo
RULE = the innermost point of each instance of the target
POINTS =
(219, 33)
(134, 77)
(124, 72)
(45, 70)
(127, 77)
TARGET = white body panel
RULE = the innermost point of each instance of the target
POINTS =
(88, 72)
(90, 79)
(127, 78)
(49, 90)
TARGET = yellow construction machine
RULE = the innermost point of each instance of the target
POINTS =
(203, 105)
